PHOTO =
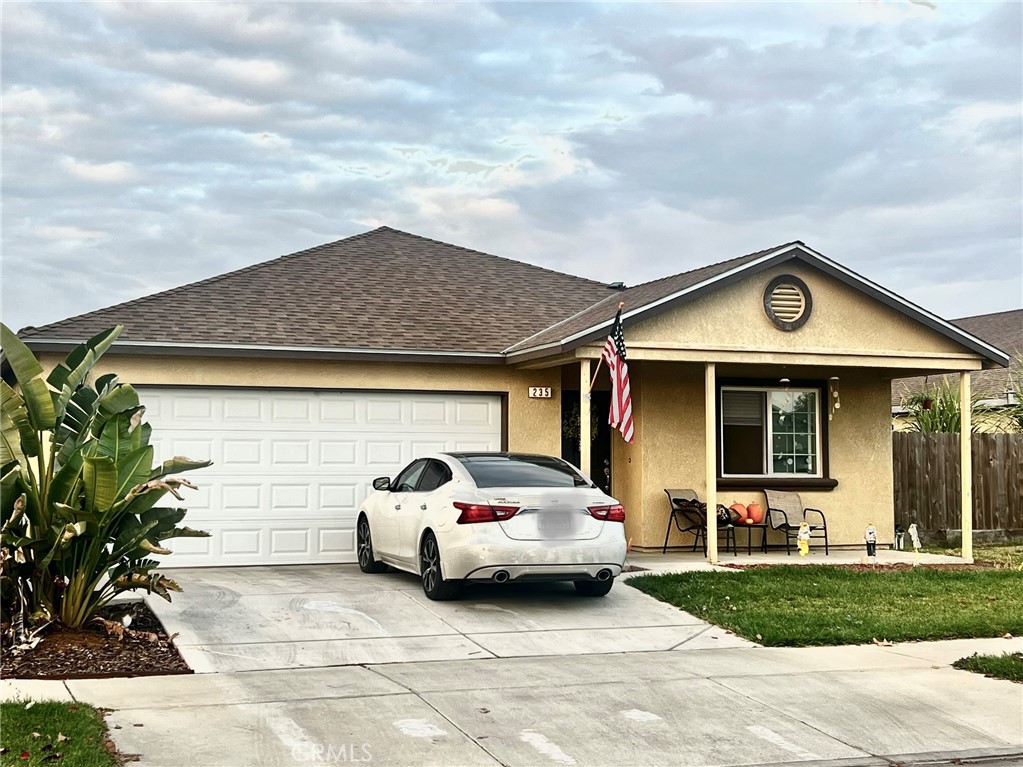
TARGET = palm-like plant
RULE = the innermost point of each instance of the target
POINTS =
(78, 490)
(937, 408)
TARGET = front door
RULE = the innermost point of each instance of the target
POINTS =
(600, 432)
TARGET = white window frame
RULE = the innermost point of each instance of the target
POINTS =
(769, 436)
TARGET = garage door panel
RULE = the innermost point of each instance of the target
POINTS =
(290, 467)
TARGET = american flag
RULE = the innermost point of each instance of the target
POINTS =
(621, 398)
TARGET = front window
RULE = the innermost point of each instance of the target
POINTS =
(770, 432)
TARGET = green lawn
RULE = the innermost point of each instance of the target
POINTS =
(822, 605)
(82, 727)
(1005, 554)
(1006, 666)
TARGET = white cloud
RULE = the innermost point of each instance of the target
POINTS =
(100, 173)
(187, 102)
(65, 233)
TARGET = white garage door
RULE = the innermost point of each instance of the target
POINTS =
(291, 467)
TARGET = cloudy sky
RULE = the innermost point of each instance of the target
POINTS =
(146, 145)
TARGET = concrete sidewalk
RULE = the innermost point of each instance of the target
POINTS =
(860, 705)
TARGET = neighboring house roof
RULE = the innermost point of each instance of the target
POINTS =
(1001, 329)
(387, 292)
(380, 290)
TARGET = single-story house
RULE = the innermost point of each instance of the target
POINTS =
(996, 389)
(305, 377)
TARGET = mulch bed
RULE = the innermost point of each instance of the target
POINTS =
(96, 652)
(891, 567)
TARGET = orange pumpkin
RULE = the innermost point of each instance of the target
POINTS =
(739, 509)
(756, 513)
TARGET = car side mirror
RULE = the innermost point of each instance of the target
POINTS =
(382, 483)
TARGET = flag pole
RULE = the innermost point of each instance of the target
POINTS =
(600, 359)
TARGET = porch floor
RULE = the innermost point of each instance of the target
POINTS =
(684, 561)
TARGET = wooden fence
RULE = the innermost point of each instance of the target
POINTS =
(927, 487)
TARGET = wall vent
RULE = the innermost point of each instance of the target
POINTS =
(787, 302)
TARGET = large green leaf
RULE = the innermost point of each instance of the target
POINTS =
(23, 362)
(66, 480)
(74, 430)
(80, 360)
(115, 438)
(39, 403)
(117, 400)
(73, 515)
(131, 535)
(99, 475)
(165, 518)
(15, 410)
(133, 469)
(176, 465)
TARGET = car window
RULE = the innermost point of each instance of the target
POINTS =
(435, 475)
(407, 480)
(522, 471)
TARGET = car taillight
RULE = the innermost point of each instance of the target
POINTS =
(614, 513)
(483, 512)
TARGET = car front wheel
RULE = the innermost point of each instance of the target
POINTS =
(434, 585)
(364, 543)
(594, 588)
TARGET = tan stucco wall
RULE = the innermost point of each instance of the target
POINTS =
(670, 413)
(843, 322)
(534, 425)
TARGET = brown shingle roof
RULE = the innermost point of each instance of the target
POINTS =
(635, 298)
(383, 289)
(1001, 329)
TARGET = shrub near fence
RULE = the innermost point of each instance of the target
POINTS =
(927, 487)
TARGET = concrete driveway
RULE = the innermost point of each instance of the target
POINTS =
(262, 618)
(324, 665)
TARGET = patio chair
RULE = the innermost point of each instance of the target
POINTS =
(785, 512)
(689, 515)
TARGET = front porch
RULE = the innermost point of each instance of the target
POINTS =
(773, 376)
(653, 563)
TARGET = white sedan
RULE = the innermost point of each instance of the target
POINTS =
(496, 517)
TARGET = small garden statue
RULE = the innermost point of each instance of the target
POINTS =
(900, 538)
(870, 537)
(914, 536)
(803, 539)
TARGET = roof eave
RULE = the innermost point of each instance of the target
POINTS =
(176, 349)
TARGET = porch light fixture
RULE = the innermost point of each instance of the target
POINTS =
(787, 302)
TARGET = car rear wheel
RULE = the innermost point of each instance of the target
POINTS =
(434, 585)
(365, 549)
(594, 588)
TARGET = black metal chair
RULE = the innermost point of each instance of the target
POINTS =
(782, 505)
(689, 515)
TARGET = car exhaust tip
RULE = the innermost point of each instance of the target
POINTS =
(604, 575)
(501, 576)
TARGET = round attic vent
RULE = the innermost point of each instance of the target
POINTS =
(787, 302)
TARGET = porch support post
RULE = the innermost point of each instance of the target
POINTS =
(584, 416)
(966, 463)
(710, 458)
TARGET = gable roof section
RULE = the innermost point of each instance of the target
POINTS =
(652, 298)
(1001, 329)
(383, 290)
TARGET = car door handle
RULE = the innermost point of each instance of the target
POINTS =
(423, 507)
